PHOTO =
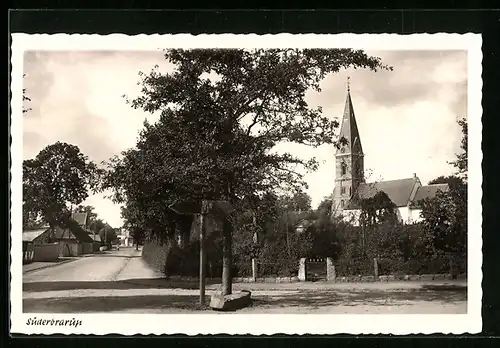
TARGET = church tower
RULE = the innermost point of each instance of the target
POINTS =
(349, 160)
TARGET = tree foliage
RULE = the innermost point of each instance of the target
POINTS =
(377, 209)
(461, 161)
(222, 112)
(59, 175)
(445, 217)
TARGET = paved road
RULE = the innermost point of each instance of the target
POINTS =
(99, 267)
(119, 281)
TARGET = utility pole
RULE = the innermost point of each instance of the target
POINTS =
(227, 258)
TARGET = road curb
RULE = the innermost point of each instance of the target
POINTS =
(49, 266)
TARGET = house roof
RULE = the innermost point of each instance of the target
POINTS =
(80, 218)
(77, 231)
(429, 191)
(30, 235)
(399, 191)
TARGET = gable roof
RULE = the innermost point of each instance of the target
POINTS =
(429, 191)
(399, 191)
(76, 231)
(80, 218)
(30, 235)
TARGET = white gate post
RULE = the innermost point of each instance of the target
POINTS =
(302, 269)
(330, 270)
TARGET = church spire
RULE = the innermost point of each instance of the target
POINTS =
(349, 127)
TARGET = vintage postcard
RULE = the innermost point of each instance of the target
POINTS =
(246, 184)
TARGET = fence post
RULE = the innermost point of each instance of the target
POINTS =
(302, 269)
(375, 268)
(330, 270)
(254, 270)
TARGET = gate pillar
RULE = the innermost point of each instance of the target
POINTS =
(330, 270)
(302, 269)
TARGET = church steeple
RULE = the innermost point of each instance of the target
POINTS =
(349, 128)
(349, 159)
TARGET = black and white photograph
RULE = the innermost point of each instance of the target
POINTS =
(246, 183)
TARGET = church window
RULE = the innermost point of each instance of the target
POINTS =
(350, 191)
(342, 190)
(342, 204)
(344, 168)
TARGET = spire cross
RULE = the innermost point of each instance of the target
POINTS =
(348, 84)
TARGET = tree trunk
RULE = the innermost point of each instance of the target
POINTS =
(137, 246)
(227, 258)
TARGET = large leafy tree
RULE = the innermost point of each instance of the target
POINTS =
(222, 112)
(377, 209)
(445, 217)
(58, 176)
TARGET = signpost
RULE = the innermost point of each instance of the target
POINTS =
(205, 208)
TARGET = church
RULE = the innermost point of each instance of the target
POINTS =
(350, 179)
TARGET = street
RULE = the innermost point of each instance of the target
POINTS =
(119, 281)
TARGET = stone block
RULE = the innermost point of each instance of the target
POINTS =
(383, 278)
(448, 276)
(414, 277)
(400, 277)
(270, 280)
(391, 278)
(341, 279)
(230, 302)
(406, 277)
(330, 270)
(367, 279)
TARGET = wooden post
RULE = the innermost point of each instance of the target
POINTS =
(254, 270)
(375, 268)
(202, 259)
(227, 258)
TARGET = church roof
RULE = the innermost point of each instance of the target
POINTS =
(399, 191)
(429, 191)
(349, 129)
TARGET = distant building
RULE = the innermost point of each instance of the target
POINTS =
(350, 185)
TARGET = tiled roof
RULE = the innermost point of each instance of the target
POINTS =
(30, 235)
(398, 191)
(429, 191)
(73, 230)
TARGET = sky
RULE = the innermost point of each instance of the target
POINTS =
(406, 117)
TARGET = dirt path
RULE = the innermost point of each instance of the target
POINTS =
(120, 282)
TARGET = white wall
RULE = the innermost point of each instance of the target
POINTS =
(405, 215)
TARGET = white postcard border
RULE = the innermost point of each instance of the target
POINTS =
(257, 324)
